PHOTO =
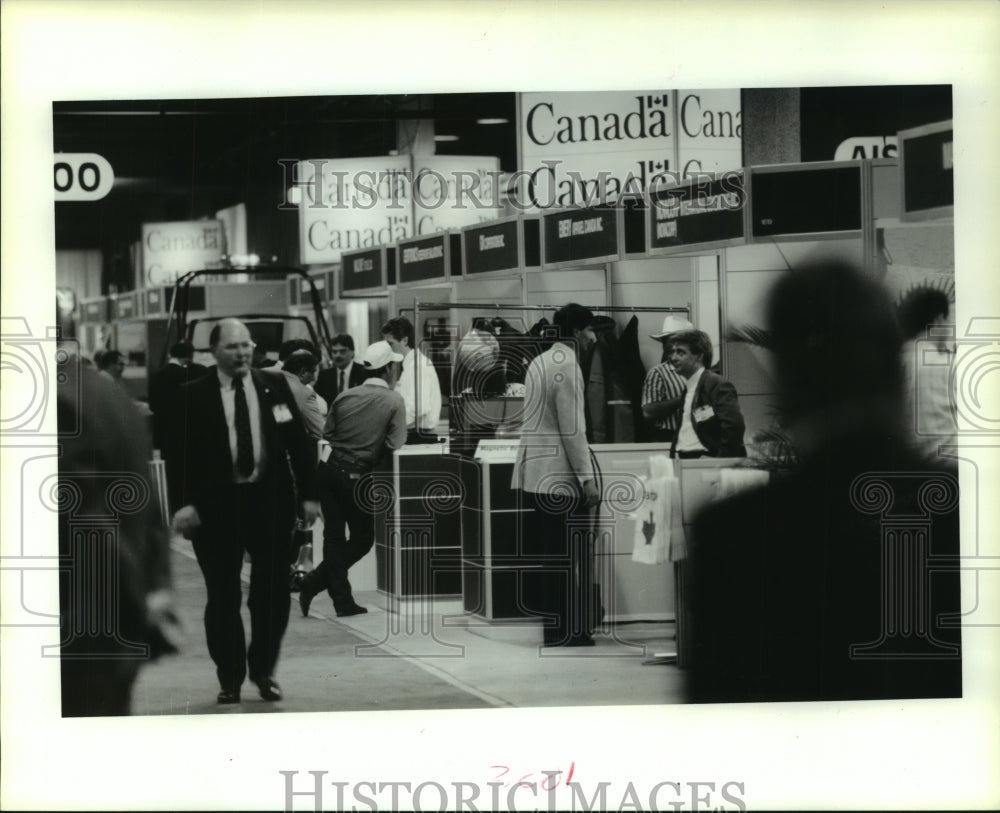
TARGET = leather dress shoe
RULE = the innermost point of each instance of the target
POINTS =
(227, 697)
(350, 609)
(269, 688)
(305, 600)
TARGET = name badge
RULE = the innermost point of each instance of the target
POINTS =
(703, 413)
(282, 414)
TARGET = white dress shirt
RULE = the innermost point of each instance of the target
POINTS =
(687, 438)
(253, 405)
(430, 391)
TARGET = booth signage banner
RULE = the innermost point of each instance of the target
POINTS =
(698, 213)
(453, 191)
(495, 247)
(801, 200)
(928, 169)
(124, 308)
(580, 235)
(579, 149)
(172, 249)
(347, 204)
(423, 259)
(362, 270)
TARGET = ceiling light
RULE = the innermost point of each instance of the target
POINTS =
(492, 121)
(446, 138)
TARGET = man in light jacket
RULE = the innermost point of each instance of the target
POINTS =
(554, 471)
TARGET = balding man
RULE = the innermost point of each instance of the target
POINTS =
(244, 442)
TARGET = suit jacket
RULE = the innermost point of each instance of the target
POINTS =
(721, 433)
(553, 452)
(326, 381)
(207, 465)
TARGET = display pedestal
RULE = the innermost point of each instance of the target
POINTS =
(417, 540)
(497, 570)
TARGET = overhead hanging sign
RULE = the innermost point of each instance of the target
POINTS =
(579, 236)
(422, 259)
(346, 204)
(172, 249)
(452, 191)
(928, 171)
(363, 271)
(492, 247)
(697, 214)
(580, 149)
(800, 200)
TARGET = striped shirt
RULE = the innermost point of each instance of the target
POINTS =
(663, 384)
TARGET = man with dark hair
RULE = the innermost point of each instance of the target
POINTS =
(247, 457)
(365, 423)
(418, 383)
(928, 364)
(164, 385)
(711, 424)
(839, 579)
(164, 388)
(554, 471)
(344, 373)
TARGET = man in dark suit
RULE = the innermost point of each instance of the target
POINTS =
(241, 430)
(344, 373)
(711, 423)
(164, 387)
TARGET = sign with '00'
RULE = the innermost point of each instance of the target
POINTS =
(81, 176)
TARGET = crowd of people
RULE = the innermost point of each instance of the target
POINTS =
(255, 453)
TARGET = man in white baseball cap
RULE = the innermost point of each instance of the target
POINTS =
(663, 390)
(364, 424)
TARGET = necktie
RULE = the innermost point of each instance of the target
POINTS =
(340, 386)
(244, 437)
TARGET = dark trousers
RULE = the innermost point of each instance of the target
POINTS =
(245, 517)
(565, 595)
(342, 503)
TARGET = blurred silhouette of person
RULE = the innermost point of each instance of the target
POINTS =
(832, 582)
(111, 365)
(116, 606)
(928, 365)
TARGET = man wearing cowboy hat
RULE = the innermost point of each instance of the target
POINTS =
(663, 390)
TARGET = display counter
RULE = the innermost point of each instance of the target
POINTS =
(497, 570)
(418, 535)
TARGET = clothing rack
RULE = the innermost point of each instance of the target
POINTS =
(497, 307)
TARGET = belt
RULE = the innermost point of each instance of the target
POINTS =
(690, 455)
(348, 463)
